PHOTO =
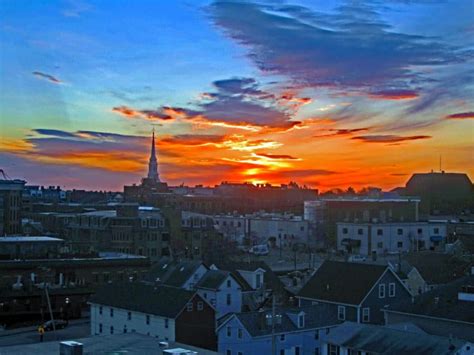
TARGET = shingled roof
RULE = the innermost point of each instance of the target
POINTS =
(383, 340)
(317, 316)
(161, 300)
(212, 279)
(342, 282)
(438, 268)
(442, 302)
(172, 273)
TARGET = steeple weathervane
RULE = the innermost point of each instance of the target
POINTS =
(153, 164)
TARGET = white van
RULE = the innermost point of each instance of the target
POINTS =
(259, 249)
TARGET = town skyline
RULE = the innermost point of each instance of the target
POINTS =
(326, 95)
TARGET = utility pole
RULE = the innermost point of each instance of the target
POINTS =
(50, 310)
(273, 325)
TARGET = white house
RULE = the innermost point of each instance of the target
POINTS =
(222, 291)
(383, 238)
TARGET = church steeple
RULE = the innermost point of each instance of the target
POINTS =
(153, 164)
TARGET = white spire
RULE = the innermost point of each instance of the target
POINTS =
(153, 164)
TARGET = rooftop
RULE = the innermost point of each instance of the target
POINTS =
(342, 282)
(442, 302)
(384, 340)
(129, 343)
(317, 316)
(28, 239)
(142, 297)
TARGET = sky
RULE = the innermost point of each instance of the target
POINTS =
(325, 93)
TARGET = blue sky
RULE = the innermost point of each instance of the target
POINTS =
(266, 90)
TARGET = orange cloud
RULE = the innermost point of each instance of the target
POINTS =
(394, 94)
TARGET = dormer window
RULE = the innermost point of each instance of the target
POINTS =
(301, 320)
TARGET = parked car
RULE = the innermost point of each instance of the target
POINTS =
(259, 249)
(356, 258)
(59, 324)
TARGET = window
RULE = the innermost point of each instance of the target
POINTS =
(111, 312)
(302, 229)
(282, 351)
(228, 300)
(301, 321)
(316, 335)
(189, 307)
(124, 328)
(382, 291)
(360, 231)
(333, 349)
(380, 245)
(344, 230)
(420, 231)
(167, 323)
(316, 351)
(379, 231)
(213, 302)
(229, 283)
(365, 315)
(100, 328)
(100, 310)
(228, 352)
(148, 319)
(129, 315)
(229, 331)
(205, 295)
(391, 289)
(239, 353)
(111, 330)
(282, 337)
(400, 231)
(436, 231)
(341, 312)
(239, 333)
(258, 280)
(400, 244)
(200, 306)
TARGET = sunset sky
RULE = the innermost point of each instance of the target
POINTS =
(327, 94)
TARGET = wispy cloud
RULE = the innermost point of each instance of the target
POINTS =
(47, 77)
(389, 138)
(461, 116)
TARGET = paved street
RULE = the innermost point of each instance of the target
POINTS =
(28, 335)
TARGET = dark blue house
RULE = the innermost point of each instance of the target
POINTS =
(355, 292)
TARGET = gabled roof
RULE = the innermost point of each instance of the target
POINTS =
(161, 300)
(272, 281)
(255, 323)
(213, 279)
(384, 340)
(172, 273)
(442, 302)
(342, 282)
(438, 268)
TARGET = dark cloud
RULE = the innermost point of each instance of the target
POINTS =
(276, 156)
(343, 131)
(389, 138)
(54, 132)
(236, 101)
(461, 116)
(48, 77)
(148, 114)
(352, 47)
